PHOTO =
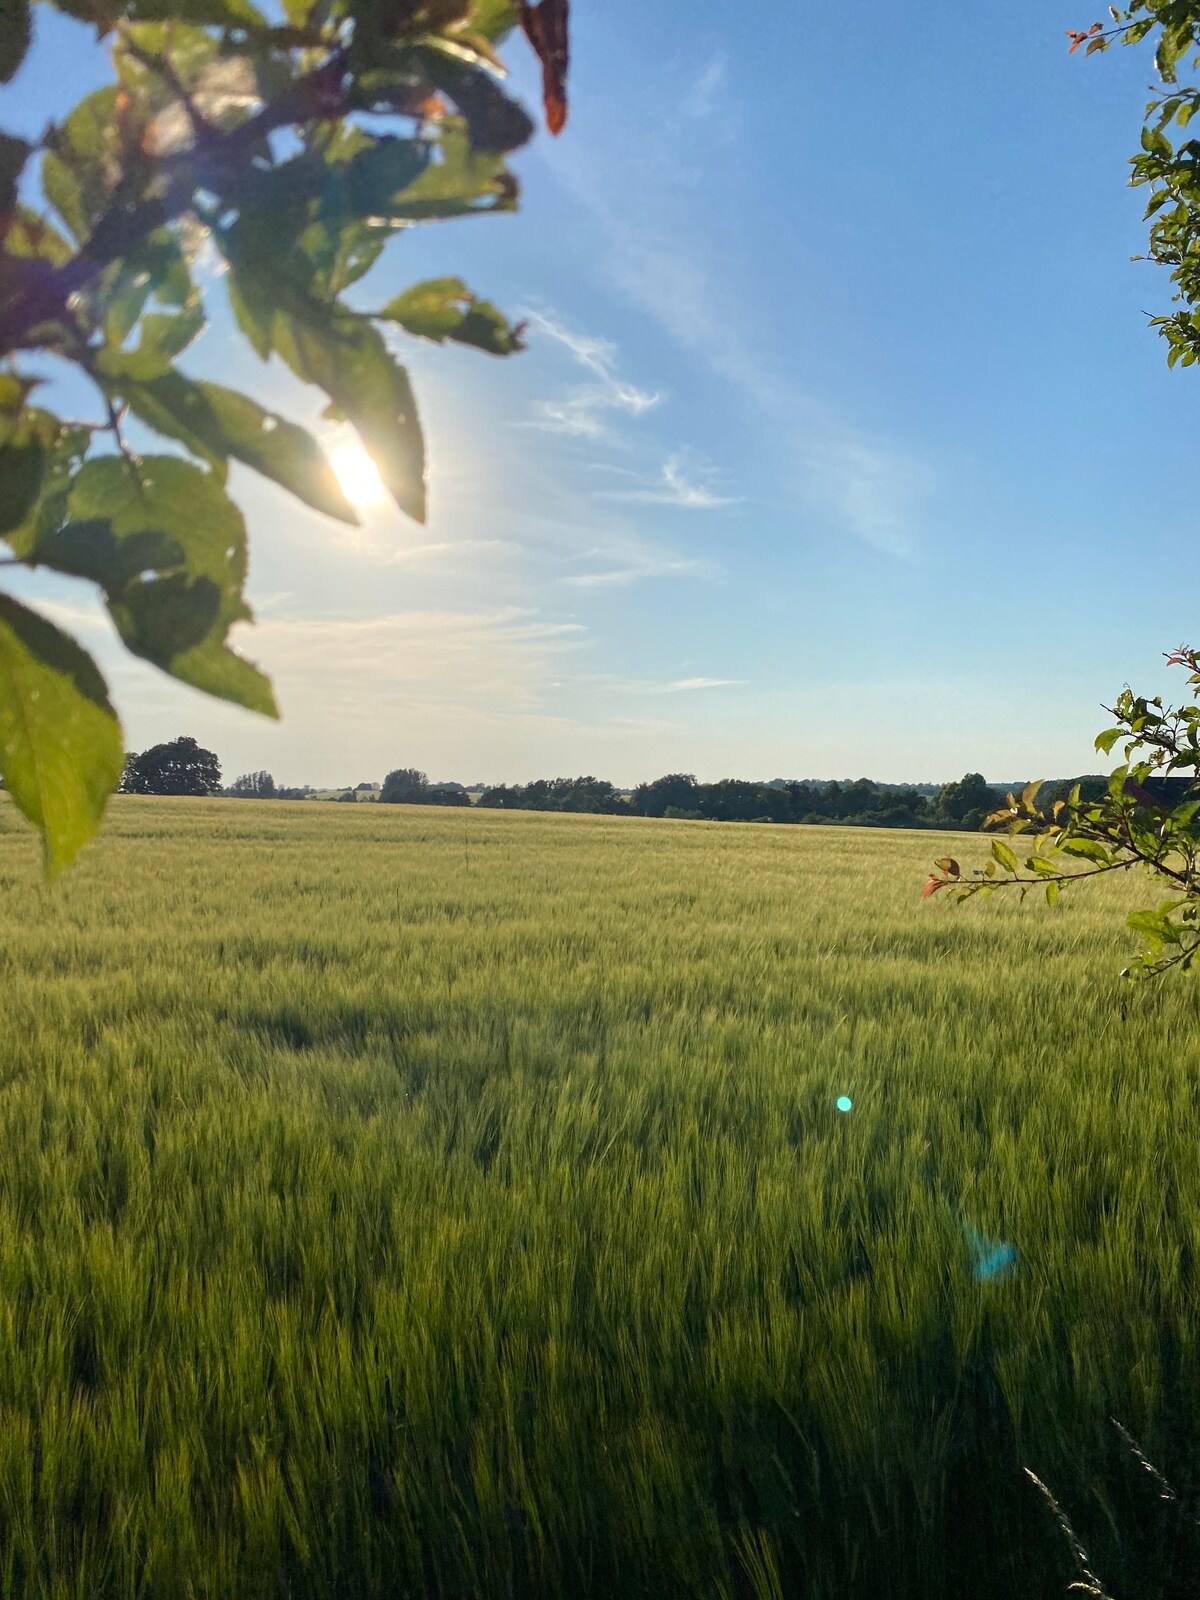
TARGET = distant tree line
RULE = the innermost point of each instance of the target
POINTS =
(862, 803)
(182, 767)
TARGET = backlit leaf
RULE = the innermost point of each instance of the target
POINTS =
(78, 171)
(32, 238)
(218, 423)
(63, 449)
(1087, 849)
(169, 550)
(1005, 855)
(61, 751)
(444, 308)
(465, 182)
(214, 13)
(493, 18)
(343, 355)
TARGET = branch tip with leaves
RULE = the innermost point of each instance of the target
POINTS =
(1147, 816)
(178, 155)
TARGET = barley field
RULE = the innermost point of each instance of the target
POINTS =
(396, 1203)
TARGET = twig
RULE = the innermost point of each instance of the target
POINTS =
(44, 296)
(116, 415)
(163, 68)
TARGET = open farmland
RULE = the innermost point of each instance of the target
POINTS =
(396, 1203)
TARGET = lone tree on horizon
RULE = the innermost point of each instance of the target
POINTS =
(181, 766)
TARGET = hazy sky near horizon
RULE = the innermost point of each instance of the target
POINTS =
(840, 446)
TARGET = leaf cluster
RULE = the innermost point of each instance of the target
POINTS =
(288, 153)
(1168, 161)
(1148, 816)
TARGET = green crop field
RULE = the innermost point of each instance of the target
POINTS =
(396, 1203)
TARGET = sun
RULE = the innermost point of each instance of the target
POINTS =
(357, 474)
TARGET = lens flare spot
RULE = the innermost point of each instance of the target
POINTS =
(844, 1103)
(357, 474)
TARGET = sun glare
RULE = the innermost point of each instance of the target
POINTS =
(357, 474)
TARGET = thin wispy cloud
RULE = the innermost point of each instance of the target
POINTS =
(868, 485)
(618, 684)
(685, 685)
(628, 560)
(690, 487)
(381, 540)
(704, 95)
(484, 657)
(584, 410)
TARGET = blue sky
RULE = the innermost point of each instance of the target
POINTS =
(840, 446)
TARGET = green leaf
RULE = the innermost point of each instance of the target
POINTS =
(1005, 855)
(1053, 890)
(214, 13)
(155, 268)
(1106, 740)
(1088, 849)
(15, 33)
(32, 238)
(61, 750)
(373, 391)
(493, 18)
(65, 193)
(1041, 866)
(1155, 926)
(163, 337)
(168, 547)
(13, 155)
(217, 423)
(375, 175)
(444, 308)
(464, 183)
(79, 171)
(63, 450)
(21, 469)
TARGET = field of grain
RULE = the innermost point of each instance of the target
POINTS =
(396, 1203)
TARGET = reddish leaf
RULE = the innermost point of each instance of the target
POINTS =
(932, 884)
(545, 27)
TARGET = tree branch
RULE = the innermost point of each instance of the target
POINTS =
(45, 295)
